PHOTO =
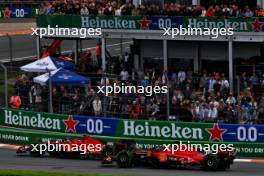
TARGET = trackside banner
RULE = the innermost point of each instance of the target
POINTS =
(150, 23)
(157, 130)
(13, 12)
(26, 137)
(32, 120)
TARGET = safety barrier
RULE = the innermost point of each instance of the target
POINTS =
(27, 137)
(248, 139)
(151, 23)
(163, 130)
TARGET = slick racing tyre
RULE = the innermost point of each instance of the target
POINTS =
(211, 162)
(107, 151)
(124, 159)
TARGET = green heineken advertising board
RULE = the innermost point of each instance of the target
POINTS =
(32, 120)
(26, 137)
(116, 127)
(150, 23)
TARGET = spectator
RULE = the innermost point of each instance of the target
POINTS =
(134, 111)
(97, 106)
(124, 75)
(210, 12)
(84, 10)
(248, 12)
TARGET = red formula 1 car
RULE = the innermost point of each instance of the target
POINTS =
(86, 147)
(127, 155)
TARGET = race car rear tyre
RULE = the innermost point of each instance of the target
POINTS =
(211, 162)
(124, 159)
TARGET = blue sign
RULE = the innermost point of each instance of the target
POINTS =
(158, 23)
(242, 133)
(21, 12)
(96, 126)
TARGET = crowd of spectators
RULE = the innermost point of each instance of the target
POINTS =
(203, 97)
(104, 7)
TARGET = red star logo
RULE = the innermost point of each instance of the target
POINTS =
(70, 124)
(216, 133)
(7, 13)
(144, 23)
(257, 25)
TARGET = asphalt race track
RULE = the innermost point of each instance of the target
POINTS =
(9, 160)
(24, 46)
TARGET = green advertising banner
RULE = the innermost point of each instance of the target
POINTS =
(26, 137)
(125, 128)
(238, 24)
(32, 120)
(150, 23)
(164, 130)
(104, 22)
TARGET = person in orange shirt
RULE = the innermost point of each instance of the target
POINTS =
(15, 102)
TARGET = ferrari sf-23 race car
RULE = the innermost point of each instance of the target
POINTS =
(86, 147)
(127, 155)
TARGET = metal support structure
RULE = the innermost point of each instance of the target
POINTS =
(75, 51)
(103, 57)
(50, 93)
(103, 54)
(38, 46)
(10, 50)
(5, 82)
(196, 58)
(230, 64)
(165, 67)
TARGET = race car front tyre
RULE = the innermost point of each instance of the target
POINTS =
(211, 162)
(124, 159)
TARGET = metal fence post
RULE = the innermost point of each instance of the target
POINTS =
(103, 47)
(165, 67)
(50, 93)
(38, 46)
(5, 82)
(10, 43)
